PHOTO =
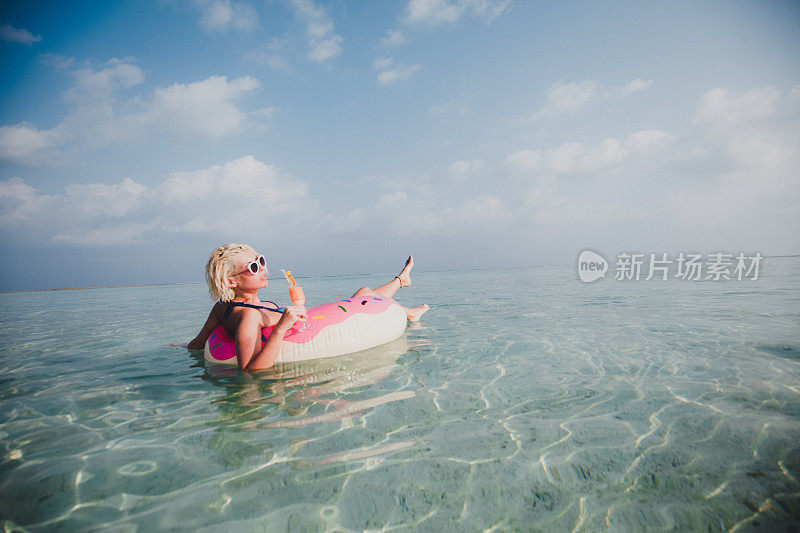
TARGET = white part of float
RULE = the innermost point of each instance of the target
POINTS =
(361, 331)
(358, 332)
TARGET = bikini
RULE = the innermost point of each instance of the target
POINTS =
(251, 306)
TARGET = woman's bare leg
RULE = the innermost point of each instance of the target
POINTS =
(401, 280)
(388, 290)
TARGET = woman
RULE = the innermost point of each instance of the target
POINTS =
(234, 274)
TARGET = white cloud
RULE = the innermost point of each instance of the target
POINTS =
(488, 10)
(461, 171)
(205, 107)
(323, 42)
(253, 195)
(392, 71)
(239, 179)
(719, 107)
(394, 38)
(93, 85)
(636, 85)
(88, 214)
(101, 113)
(523, 160)
(399, 72)
(18, 201)
(97, 199)
(92, 117)
(11, 34)
(392, 198)
(255, 198)
(24, 143)
(322, 49)
(242, 198)
(643, 141)
(436, 12)
(751, 138)
(224, 14)
(569, 98)
(575, 157)
(433, 12)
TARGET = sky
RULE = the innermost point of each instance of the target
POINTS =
(338, 136)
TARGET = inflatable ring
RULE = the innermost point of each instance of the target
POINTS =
(332, 329)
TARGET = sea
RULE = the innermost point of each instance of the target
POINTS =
(524, 400)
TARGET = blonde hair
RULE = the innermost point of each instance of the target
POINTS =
(221, 266)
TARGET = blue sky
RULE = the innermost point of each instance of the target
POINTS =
(336, 137)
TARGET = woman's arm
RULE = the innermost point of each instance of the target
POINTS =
(199, 342)
(249, 352)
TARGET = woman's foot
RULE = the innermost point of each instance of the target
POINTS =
(413, 314)
(405, 275)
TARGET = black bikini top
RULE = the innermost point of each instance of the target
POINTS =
(251, 306)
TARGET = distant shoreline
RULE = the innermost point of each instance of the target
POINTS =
(102, 287)
(203, 282)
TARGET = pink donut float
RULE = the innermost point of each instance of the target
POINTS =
(332, 329)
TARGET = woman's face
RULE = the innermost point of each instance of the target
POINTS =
(245, 279)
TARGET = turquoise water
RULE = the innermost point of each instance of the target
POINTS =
(524, 400)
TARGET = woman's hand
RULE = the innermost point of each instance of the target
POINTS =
(291, 314)
(252, 355)
(199, 342)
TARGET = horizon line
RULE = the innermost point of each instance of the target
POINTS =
(11, 291)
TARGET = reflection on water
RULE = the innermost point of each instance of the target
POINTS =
(295, 389)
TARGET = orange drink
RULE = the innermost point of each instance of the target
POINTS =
(296, 295)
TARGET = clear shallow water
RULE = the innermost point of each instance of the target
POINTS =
(524, 400)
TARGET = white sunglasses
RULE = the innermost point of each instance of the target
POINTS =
(255, 265)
